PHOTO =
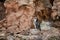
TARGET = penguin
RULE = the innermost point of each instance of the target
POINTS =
(36, 23)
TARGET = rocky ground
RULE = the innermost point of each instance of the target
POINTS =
(32, 34)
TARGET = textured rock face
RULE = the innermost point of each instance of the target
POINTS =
(20, 13)
(19, 17)
(56, 6)
(56, 13)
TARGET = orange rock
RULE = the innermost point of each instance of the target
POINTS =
(22, 18)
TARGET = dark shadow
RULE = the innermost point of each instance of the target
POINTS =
(2, 39)
(2, 1)
(51, 1)
(2, 10)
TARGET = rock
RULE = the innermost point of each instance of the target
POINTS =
(54, 38)
(19, 15)
(50, 33)
(2, 34)
(56, 6)
(10, 37)
(31, 37)
(34, 32)
(47, 3)
(45, 25)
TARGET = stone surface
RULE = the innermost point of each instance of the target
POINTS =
(18, 17)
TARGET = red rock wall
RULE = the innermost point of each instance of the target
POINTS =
(18, 17)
